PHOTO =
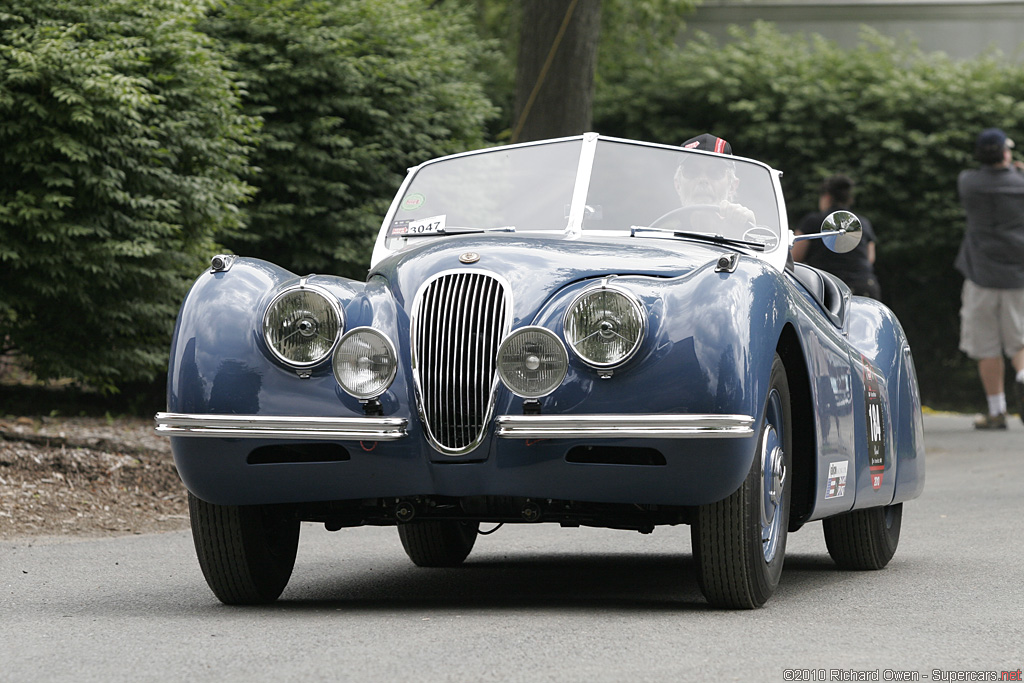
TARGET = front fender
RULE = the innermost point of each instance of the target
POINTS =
(708, 350)
(220, 363)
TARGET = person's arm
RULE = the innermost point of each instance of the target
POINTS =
(736, 214)
(869, 238)
(799, 250)
(809, 224)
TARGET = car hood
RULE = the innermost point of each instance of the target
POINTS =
(536, 267)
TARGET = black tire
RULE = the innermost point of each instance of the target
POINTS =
(246, 552)
(737, 550)
(864, 539)
(443, 543)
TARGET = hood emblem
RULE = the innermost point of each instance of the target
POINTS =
(469, 257)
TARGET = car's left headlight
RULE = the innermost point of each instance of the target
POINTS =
(365, 363)
(532, 362)
(301, 325)
(604, 326)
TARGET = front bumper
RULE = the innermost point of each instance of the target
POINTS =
(509, 427)
(624, 426)
(705, 457)
(283, 427)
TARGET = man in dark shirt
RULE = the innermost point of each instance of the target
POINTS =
(991, 259)
(855, 268)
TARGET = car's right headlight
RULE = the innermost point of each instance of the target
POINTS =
(365, 363)
(532, 362)
(301, 325)
(604, 326)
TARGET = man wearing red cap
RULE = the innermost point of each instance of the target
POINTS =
(712, 183)
(991, 259)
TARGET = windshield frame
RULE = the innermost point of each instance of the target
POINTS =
(574, 227)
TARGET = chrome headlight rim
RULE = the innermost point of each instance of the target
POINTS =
(639, 309)
(383, 386)
(331, 301)
(564, 357)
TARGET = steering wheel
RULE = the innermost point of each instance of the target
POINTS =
(682, 211)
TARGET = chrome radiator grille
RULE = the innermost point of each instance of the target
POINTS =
(458, 321)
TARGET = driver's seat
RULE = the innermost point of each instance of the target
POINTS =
(831, 293)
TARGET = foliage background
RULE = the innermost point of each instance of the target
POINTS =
(634, 36)
(350, 95)
(122, 151)
(133, 134)
(138, 138)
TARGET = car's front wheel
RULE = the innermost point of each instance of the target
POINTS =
(739, 543)
(864, 539)
(441, 543)
(246, 552)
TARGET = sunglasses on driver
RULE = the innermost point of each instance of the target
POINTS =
(696, 167)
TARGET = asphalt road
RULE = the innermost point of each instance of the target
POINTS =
(544, 603)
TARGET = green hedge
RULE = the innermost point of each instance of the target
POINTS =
(352, 93)
(132, 134)
(900, 121)
(122, 144)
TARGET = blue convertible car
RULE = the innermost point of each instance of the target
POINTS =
(582, 331)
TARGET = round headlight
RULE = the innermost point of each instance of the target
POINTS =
(301, 326)
(532, 362)
(365, 363)
(605, 326)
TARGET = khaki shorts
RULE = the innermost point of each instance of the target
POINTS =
(991, 321)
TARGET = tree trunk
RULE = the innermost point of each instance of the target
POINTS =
(555, 68)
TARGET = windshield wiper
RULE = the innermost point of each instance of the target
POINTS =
(458, 230)
(703, 236)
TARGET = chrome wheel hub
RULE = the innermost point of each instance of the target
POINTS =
(773, 481)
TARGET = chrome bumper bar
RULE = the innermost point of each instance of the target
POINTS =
(624, 426)
(509, 427)
(283, 427)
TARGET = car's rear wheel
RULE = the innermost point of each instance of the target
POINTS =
(864, 539)
(246, 552)
(739, 543)
(442, 543)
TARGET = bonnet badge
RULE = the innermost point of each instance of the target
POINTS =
(469, 257)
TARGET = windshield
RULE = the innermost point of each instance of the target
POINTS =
(530, 188)
(680, 190)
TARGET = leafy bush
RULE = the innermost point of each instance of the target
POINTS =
(351, 92)
(900, 121)
(122, 143)
(633, 36)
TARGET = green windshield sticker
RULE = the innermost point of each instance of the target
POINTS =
(413, 202)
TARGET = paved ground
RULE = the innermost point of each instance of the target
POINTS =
(544, 604)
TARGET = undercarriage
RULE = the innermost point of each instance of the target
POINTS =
(490, 509)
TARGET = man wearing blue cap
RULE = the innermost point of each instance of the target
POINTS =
(991, 259)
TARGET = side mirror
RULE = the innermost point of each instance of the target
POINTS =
(841, 231)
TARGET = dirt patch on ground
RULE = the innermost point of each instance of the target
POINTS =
(87, 476)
